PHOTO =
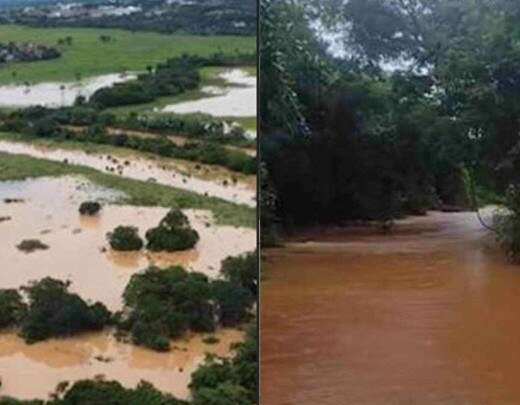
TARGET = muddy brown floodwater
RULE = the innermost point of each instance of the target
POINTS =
(47, 209)
(428, 315)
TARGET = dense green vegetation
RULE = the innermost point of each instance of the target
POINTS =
(172, 234)
(137, 192)
(89, 208)
(125, 239)
(173, 77)
(161, 304)
(45, 123)
(422, 101)
(12, 308)
(51, 311)
(128, 51)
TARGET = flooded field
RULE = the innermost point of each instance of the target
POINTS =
(47, 209)
(427, 315)
(139, 169)
(46, 364)
(236, 100)
(49, 212)
(56, 94)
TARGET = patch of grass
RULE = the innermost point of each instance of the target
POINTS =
(87, 55)
(18, 167)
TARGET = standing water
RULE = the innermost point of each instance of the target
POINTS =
(427, 315)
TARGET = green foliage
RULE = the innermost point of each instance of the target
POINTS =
(12, 308)
(100, 392)
(205, 148)
(232, 301)
(242, 270)
(219, 380)
(89, 208)
(173, 233)
(507, 225)
(55, 312)
(161, 304)
(125, 239)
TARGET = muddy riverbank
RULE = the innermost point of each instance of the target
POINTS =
(426, 315)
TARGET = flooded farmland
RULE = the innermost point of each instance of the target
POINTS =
(49, 212)
(47, 209)
(140, 169)
(238, 99)
(426, 315)
(55, 95)
(48, 363)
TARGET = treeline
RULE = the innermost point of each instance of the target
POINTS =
(47, 123)
(352, 137)
(201, 18)
(174, 77)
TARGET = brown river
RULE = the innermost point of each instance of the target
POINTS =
(427, 315)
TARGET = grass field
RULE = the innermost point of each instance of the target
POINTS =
(16, 167)
(89, 56)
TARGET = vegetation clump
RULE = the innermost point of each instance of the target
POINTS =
(12, 308)
(125, 239)
(161, 304)
(172, 234)
(31, 245)
(222, 381)
(53, 311)
(89, 208)
(507, 225)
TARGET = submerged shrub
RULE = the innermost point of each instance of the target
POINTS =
(173, 233)
(54, 311)
(242, 270)
(125, 239)
(31, 245)
(12, 308)
(89, 208)
(507, 225)
(161, 304)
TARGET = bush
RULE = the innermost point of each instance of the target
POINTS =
(31, 245)
(12, 308)
(161, 304)
(233, 302)
(89, 208)
(100, 392)
(242, 270)
(53, 311)
(125, 239)
(507, 225)
(173, 233)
